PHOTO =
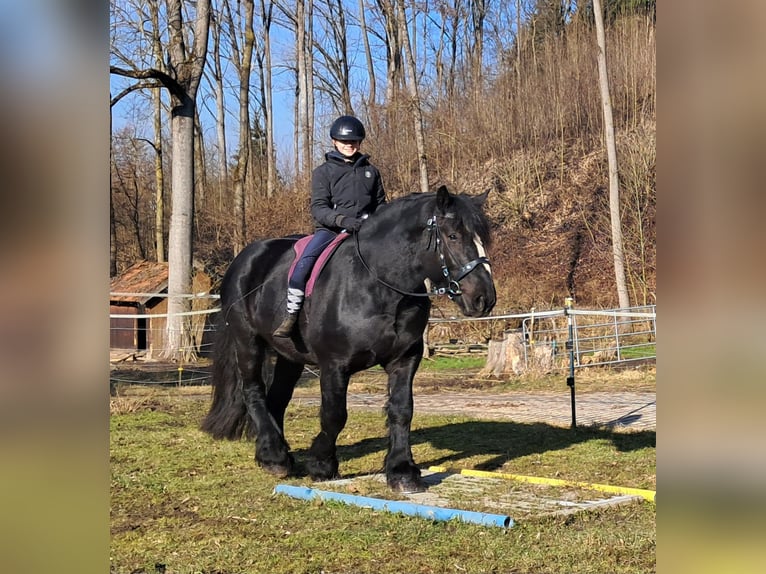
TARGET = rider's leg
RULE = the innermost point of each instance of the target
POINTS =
(296, 285)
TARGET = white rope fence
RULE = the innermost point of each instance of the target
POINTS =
(146, 334)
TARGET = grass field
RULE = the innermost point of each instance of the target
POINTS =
(183, 503)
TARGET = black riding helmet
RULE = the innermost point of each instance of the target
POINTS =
(347, 128)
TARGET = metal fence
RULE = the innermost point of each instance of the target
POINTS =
(598, 338)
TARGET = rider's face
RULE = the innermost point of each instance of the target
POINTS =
(347, 148)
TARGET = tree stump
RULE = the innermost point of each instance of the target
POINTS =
(505, 356)
(508, 356)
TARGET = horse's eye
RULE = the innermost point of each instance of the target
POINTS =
(452, 236)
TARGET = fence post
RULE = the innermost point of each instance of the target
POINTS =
(568, 303)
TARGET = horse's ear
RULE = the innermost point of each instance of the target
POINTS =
(481, 199)
(443, 198)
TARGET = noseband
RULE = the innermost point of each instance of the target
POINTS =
(452, 289)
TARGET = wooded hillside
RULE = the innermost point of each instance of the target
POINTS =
(508, 93)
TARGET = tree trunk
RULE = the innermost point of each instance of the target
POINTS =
(417, 114)
(301, 88)
(367, 55)
(220, 123)
(181, 225)
(309, 142)
(268, 111)
(243, 63)
(188, 67)
(518, 48)
(393, 49)
(611, 150)
(112, 221)
(200, 166)
(478, 15)
(339, 69)
(159, 178)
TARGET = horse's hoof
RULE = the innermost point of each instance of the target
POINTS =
(281, 467)
(323, 470)
(278, 470)
(406, 484)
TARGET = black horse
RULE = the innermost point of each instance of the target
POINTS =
(370, 306)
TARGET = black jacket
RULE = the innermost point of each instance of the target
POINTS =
(339, 187)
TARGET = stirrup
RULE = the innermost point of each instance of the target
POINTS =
(286, 327)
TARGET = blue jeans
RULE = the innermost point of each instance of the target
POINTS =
(299, 278)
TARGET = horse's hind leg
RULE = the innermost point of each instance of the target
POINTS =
(284, 376)
(323, 461)
(271, 449)
(401, 472)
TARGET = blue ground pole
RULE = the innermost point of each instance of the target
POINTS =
(436, 513)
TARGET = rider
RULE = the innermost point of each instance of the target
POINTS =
(345, 189)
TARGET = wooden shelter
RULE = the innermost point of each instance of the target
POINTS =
(141, 292)
(138, 306)
(138, 291)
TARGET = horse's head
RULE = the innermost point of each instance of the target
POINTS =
(459, 234)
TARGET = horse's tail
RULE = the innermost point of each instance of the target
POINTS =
(227, 418)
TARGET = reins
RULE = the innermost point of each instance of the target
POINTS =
(453, 283)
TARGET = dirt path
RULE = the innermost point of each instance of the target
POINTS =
(619, 410)
(632, 407)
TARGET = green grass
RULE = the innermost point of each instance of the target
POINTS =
(639, 352)
(197, 505)
(445, 363)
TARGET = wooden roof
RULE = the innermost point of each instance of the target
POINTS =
(141, 277)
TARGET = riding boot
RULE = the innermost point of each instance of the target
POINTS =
(294, 304)
(286, 327)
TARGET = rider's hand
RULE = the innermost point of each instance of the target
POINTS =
(351, 224)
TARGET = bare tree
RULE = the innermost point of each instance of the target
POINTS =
(242, 61)
(388, 8)
(265, 70)
(112, 216)
(476, 54)
(415, 104)
(132, 195)
(303, 110)
(159, 178)
(159, 174)
(611, 152)
(309, 141)
(335, 80)
(220, 107)
(367, 55)
(452, 16)
(181, 77)
(301, 90)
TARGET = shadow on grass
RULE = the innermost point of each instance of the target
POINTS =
(506, 441)
(499, 440)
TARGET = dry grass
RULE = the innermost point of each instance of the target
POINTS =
(191, 504)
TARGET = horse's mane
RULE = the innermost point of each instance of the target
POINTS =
(466, 211)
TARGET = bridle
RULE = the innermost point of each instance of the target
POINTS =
(452, 289)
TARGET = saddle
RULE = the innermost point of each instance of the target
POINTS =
(300, 246)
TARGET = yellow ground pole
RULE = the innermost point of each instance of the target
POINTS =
(645, 494)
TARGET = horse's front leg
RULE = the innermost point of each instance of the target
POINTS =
(401, 472)
(323, 460)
